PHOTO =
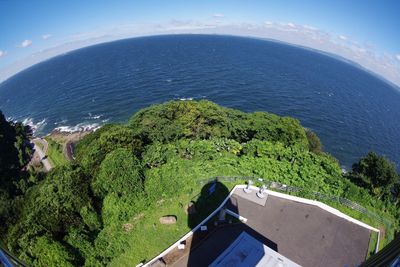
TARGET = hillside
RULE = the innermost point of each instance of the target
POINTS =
(103, 208)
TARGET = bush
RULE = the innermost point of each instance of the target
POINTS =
(119, 173)
(375, 173)
(314, 143)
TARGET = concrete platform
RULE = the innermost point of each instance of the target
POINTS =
(251, 196)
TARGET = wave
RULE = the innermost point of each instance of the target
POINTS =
(344, 169)
(60, 122)
(177, 97)
(11, 119)
(94, 116)
(35, 126)
(81, 127)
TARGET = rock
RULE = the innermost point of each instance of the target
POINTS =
(127, 227)
(169, 219)
(138, 217)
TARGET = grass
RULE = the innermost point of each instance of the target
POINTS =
(149, 238)
(55, 153)
(372, 244)
(40, 145)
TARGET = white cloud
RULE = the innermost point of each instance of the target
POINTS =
(3, 53)
(342, 37)
(218, 15)
(308, 27)
(46, 36)
(291, 25)
(398, 57)
(26, 43)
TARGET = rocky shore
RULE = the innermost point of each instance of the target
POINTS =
(67, 140)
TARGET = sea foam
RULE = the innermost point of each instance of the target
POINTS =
(81, 127)
(94, 116)
(35, 126)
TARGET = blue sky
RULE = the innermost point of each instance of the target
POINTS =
(30, 27)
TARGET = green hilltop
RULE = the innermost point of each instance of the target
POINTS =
(103, 208)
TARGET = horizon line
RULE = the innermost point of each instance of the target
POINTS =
(70, 47)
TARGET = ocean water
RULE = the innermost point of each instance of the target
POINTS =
(351, 110)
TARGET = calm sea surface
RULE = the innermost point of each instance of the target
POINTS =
(352, 111)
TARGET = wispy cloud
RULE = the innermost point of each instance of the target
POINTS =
(3, 53)
(342, 37)
(310, 27)
(46, 36)
(398, 57)
(26, 43)
(218, 15)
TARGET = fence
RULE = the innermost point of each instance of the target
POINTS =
(311, 194)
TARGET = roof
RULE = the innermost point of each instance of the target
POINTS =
(248, 251)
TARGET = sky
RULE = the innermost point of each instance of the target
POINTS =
(366, 32)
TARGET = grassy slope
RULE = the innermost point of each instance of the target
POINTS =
(55, 153)
(149, 238)
(372, 244)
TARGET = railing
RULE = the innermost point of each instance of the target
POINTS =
(8, 260)
(298, 190)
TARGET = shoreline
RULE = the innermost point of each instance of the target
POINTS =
(66, 140)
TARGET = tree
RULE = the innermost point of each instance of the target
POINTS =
(119, 173)
(15, 153)
(50, 208)
(203, 119)
(376, 173)
(314, 143)
(92, 149)
(47, 252)
(9, 153)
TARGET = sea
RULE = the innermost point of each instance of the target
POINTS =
(351, 110)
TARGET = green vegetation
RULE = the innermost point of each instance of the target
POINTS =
(55, 153)
(314, 143)
(377, 174)
(15, 153)
(103, 208)
(372, 244)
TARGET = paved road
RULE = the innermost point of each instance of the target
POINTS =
(69, 151)
(42, 153)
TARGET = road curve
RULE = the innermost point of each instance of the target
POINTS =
(42, 153)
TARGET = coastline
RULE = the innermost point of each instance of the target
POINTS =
(65, 141)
